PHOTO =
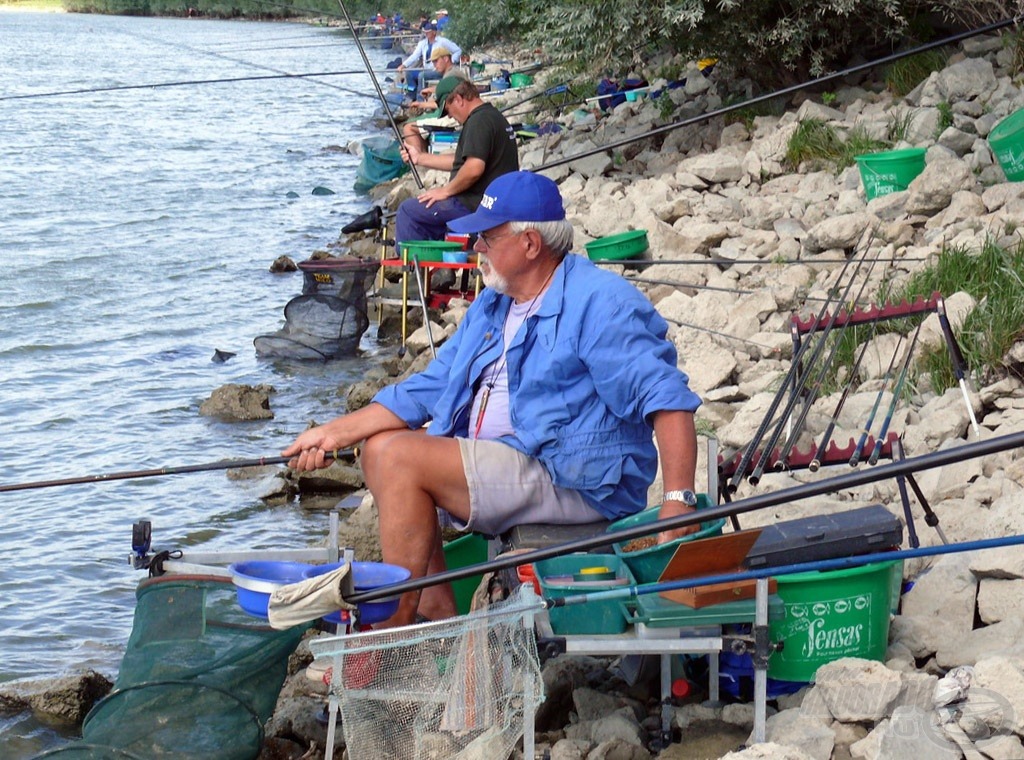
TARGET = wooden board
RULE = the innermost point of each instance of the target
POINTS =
(711, 556)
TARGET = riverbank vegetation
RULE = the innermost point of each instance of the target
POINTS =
(769, 42)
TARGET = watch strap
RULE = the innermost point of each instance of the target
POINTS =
(686, 497)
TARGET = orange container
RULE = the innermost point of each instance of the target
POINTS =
(527, 574)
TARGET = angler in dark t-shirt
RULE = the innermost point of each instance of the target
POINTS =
(486, 150)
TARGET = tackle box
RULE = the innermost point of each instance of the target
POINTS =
(844, 534)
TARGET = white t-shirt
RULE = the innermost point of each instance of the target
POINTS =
(497, 420)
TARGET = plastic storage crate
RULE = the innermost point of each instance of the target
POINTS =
(592, 617)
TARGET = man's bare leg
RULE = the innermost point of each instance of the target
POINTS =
(409, 473)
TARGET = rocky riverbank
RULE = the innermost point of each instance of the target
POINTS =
(778, 238)
(738, 242)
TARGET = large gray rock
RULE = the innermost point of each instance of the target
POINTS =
(65, 699)
(768, 751)
(236, 402)
(911, 733)
(1005, 637)
(857, 690)
(940, 607)
(933, 189)
(1000, 599)
(838, 232)
(968, 79)
(793, 728)
(716, 168)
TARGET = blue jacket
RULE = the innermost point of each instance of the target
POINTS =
(585, 377)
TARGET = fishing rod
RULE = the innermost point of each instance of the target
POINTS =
(729, 262)
(957, 358)
(423, 303)
(859, 451)
(784, 496)
(720, 334)
(380, 92)
(952, 39)
(826, 437)
(184, 83)
(812, 394)
(228, 464)
(792, 378)
(762, 428)
(896, 393)
(837, 563)
(695, 286)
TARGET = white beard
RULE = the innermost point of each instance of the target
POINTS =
(491, 279)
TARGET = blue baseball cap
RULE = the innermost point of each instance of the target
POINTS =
(514, 197)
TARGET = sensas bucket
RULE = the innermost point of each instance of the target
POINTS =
(1007, 142)
(889, 172)
(829, 615)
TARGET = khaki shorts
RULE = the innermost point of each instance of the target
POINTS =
(507, 488)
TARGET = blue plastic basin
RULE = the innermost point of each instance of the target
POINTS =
(256, 580)
(367, 576)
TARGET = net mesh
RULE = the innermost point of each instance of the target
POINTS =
(382, 161)
(198, 679)
(451, 689)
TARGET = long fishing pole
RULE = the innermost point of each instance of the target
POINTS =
(695, 286)
(826, 437)
(896, 393)
(785, 496)
(812, 394)
(800, 378)
(227, 464)
(859, 451)
(783, 92)
(729, 262)
(762, 428)
(376, 86)
(186, 83)
(242, 61)
(720, 334)
(959, 365)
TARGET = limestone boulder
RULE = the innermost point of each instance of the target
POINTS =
(933, 189)
(940, 606)
(234, 402)
(857, 690)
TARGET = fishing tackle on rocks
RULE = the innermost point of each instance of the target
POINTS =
(896, 393)
(859, 451)
(799, 380)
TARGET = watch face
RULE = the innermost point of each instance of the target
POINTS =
(690, 498)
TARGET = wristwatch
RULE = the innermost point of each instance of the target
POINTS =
(688, 497)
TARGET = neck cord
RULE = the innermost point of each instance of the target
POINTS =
(489, 385)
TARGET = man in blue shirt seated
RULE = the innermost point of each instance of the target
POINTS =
(420, 58)
(541, 407)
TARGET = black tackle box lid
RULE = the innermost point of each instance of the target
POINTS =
(844, 534)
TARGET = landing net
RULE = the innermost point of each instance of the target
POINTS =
(455, 689)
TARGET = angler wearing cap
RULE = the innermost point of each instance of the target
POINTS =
(540, 407)
(486, 149)
(443, 65)
(420, 57)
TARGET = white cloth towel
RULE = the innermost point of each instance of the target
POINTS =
(307, 600)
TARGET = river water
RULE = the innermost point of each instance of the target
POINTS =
(136, 231)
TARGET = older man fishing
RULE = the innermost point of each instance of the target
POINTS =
(541, 407)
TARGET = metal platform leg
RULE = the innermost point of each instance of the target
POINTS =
(760, 660)
(334, 708)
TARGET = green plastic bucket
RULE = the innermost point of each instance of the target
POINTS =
(829, 615)
(429, 250)
(520, 80)
(469, 550)
(889, 172)
(1007, 142)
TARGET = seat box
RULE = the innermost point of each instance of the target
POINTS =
(808, 539)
